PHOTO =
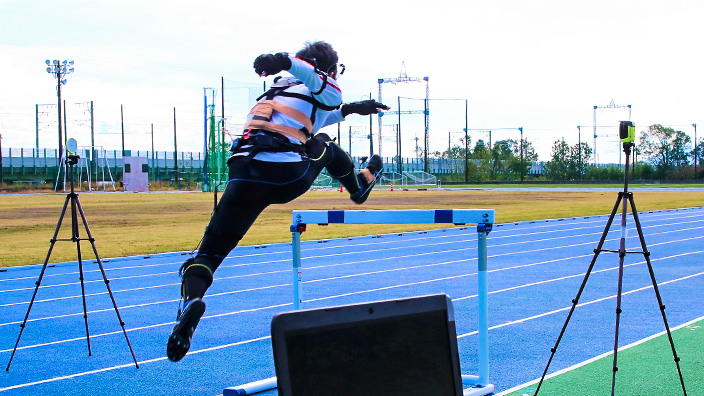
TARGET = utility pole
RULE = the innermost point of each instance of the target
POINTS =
(522, 168)
(36, 121)
(151, 168)
(398, 139)
(65, 123)
(122, 126)
(176, 153)
(466, 141)
(2, 178)
(93, 151)
(695, 151)
(371, 141)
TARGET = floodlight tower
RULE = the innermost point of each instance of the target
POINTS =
(403, 78)
(59, 70)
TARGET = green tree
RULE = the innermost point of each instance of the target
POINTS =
(580, 154)
(568, 162)
(664, 147)
(455, 152)
(480, 150)
(558, 166)
(499, 157)
(529, 155)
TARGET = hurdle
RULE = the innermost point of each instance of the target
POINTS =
(483, 218)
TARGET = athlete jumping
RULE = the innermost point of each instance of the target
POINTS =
(276, 160)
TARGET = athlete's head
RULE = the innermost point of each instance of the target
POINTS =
(322, 55)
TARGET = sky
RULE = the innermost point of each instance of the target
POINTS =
(541, 65)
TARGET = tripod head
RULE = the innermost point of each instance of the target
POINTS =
(72, 160)
(627, 133)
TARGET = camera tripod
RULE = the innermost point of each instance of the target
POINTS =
(76, 208)
(625, 197)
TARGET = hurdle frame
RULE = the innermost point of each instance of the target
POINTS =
(484, 218)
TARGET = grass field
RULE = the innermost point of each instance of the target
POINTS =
(126, 224)
(644, 369)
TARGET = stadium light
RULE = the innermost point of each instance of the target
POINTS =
(60, 70)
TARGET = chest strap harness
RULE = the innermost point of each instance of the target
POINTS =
(269, 139)
(261, 119)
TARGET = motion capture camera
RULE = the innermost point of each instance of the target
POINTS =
(71, 149)
(627, 131)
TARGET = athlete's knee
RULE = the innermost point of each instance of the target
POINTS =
(339, 164)
(317, 148)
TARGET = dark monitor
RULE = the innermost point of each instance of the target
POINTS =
(397, 347)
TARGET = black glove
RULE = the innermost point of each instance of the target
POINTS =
(268, 64)
(364, 107)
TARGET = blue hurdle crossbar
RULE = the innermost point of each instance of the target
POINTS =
(484, 218)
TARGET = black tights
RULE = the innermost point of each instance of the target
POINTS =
(253, 185)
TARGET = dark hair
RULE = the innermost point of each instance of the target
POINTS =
(320, 54)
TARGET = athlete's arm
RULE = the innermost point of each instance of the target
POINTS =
(324, 89)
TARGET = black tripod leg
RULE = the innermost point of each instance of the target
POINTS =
(646, 254)
(575, 301)
(105, 278)
(76, 238)
(39, 280)
(622, 256)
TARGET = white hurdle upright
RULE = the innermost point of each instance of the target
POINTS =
(484, 218)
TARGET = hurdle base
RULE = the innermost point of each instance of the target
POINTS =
(251, 387)
(478, 388)
(270, 383)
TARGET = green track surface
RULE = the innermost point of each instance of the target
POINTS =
(643, 369)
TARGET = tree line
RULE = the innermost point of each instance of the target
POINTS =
(660, 153)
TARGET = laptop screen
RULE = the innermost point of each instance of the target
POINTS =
(403, 347)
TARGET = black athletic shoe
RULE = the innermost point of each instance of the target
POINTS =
(375, 166)
(180, 340)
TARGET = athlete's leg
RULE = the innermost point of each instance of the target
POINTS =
(340, 167)
(232, 218)
(252, 187)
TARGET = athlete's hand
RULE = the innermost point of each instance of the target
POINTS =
(268, 64)
(365, 107)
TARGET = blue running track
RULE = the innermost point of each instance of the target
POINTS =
(535, 271)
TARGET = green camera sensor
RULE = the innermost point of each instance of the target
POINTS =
(627, 131)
